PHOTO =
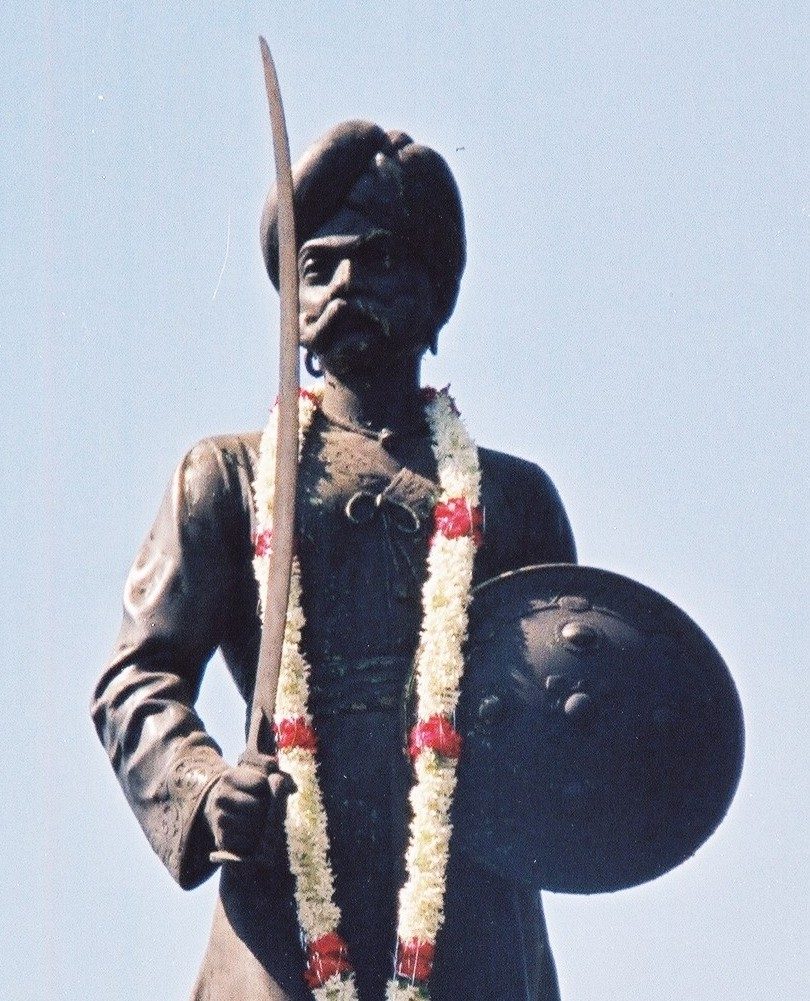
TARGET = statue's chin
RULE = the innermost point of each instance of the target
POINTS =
(354, 358)
(361, 349)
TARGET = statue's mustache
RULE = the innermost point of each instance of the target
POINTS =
(341, 311)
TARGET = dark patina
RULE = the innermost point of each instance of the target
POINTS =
(603, 733)
(382, 250)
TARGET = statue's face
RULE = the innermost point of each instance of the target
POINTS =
(365, 299)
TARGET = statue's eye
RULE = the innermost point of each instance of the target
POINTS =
(376, 256)
(311, 268)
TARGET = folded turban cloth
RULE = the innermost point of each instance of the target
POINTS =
(387, 177)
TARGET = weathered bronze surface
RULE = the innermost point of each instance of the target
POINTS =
(604, 735)
(379, 266)
(381, 255)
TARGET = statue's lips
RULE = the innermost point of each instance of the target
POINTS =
(353, 319)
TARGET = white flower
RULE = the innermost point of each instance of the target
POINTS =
(438, 669)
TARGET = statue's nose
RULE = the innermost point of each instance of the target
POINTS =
(344, 275)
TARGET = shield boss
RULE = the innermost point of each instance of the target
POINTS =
(603, 734)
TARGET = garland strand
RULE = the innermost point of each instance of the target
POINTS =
(434, 745)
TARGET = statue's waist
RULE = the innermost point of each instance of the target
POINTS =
(358, 684)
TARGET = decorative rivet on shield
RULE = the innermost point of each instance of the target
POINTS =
(579, 636)
(578, 705)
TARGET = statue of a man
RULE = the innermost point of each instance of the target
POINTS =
(382, 251)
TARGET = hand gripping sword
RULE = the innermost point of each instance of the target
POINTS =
(260, 742)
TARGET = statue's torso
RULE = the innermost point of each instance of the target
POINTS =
(364, 519)
(193, 589)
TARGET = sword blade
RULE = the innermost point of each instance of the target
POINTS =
(260, 736)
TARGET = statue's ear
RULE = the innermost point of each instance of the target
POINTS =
(439, 319)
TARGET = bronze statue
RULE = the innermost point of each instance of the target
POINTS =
(382, 251)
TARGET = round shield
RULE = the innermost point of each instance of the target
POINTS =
(603, 734)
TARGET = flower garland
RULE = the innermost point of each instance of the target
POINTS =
(434, 745)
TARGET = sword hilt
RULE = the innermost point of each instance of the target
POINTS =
(268, 764)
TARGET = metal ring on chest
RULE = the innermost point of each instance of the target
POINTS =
(362, 506)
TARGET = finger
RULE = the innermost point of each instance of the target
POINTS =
(282, 784)
(255, 816)
(248, 777)
(227, 794)
(240, 843)
(241, 827)
(244, 800)
(249, 781)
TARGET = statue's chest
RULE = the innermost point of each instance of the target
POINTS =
(352, 489)
(364, 520)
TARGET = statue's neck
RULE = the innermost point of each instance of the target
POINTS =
(389, 399)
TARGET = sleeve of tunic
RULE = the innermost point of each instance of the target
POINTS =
(547, 532)
(176, 607)
(524, 519)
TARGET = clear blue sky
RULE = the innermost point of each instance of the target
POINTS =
(634, 317)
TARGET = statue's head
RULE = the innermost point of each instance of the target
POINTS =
(381, 245)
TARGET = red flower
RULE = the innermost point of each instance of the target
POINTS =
(456, 518)
(326, 956)
(263, 542)
(295, 733)
(305, 394)
(445, 391)
(429, 394)
(436, 733)
(415, 959)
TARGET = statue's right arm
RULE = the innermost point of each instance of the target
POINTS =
(177, 607)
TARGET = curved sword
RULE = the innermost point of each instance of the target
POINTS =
(280, 563)
(260, 742)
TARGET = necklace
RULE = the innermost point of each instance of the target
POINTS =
(384, 436)
(434, 744)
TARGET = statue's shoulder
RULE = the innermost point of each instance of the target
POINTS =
(217, 471)
(239, 449)
(515, 476)
(523, 512)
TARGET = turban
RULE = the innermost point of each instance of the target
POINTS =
(387, 177)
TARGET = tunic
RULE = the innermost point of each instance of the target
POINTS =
(192, 590)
